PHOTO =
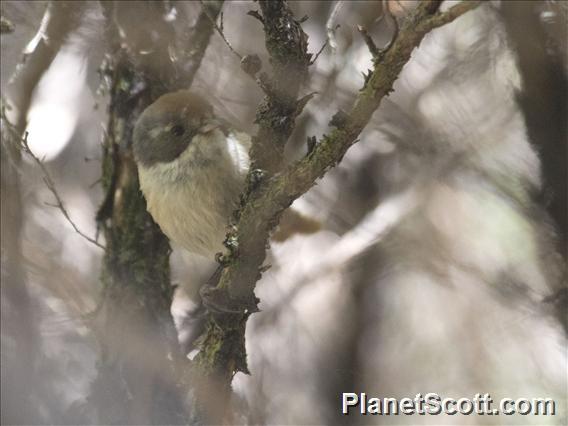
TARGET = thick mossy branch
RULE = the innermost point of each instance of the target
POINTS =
(277, 193)
(265, 203)
(141, 367)
(301, 176)
(223, 343)
(135, 273)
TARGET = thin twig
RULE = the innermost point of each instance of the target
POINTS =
(368, 41)
(51, 186)
(319, 52)
(95, 183)
(220, 30)
(242, 58)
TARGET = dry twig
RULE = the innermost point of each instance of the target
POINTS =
(220, 30)
(319, 52)
(53, 189)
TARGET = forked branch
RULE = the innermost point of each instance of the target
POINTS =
(272, 189)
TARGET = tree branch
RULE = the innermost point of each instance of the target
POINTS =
(286, 44)
(301, 176)
(223, 351)
(141, 371)
(60, 18)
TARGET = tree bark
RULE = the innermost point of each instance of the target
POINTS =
(272, 189)
(141, 363)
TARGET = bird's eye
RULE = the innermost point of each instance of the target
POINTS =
(177, 130)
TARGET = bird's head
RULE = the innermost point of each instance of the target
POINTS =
(166, 128)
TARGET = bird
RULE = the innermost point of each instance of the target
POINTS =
(192, 168)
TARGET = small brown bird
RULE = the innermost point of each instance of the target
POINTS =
(192, 167)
